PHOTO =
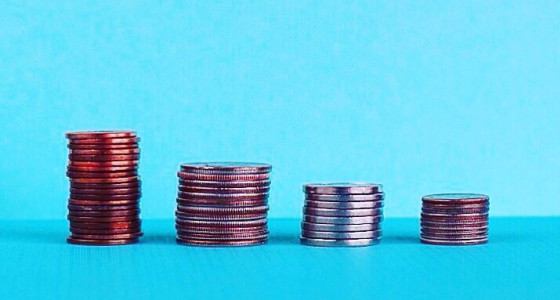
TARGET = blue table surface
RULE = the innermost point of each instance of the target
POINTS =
(521, 261)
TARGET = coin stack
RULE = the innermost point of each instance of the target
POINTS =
(342, 214)
(454, 219)
(222, 204)
(104, 187)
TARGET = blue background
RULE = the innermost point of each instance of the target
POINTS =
(422, 96)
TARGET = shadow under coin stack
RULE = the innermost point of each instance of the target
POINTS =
(223, 204)
(104, 187)
(454, 219)
(342, 214)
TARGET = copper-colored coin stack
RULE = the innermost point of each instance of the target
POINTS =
(103, 208)
(223, 204)
(454, 219)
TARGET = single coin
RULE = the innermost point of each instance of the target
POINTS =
(459, 211)
(454, 242)
(223, 210)
(453, 205)
(338, 243)
(104, 152)
(101, 207)
(104, 175)
(223, 177)
(121, 236)
(106, 186)
(341, 235)
(103, 202)
(327, 212)
(343, 220)
(104, 219)
(125, 191)
(102, 146)
(104, 158)
(106, 225)
(339, 227)
(222, 237)
(467, 227)
(452, 233)
(103, 213)
(210, 217)
(226, 168)
(453, 218)
(221, 202)
(95, 141)
(78, 241)
(238, 196)
(100, 134)
(343, 188)
(455, 197)
(447, 236)
(219, 230)
(224, 190)
(103, 169)
(476, 223)
(105, 180)
(218, 243)
(105, 231)
(229, 184)
(102, 164)
(106, 197)
(344, 205)
(221, 224)
(345, 198)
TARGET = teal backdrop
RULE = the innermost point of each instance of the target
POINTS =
(422, 96)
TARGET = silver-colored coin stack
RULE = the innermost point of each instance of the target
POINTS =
(223, 204)
(454, 219)
(342, 214)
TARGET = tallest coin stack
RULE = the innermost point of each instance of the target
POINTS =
(104, 187)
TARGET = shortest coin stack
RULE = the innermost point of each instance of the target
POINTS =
(342, 214)
(104, 187)
(223, 204)
(454, 219)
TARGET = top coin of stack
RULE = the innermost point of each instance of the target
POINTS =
(223, 204)
(454, 219)
(104, 187)
(342, 214)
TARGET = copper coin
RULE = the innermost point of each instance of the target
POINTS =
(454, 242)
(95, 141)
(327, 212)
(102, 164)
(210, 217)
(222, 237)
(101, 207)
(238, 196)
(462, 217)
(224, 190)
(346, 197)
(229, 184)
(226, 168)
(220, 230)
(456, 211)
(103, 169)
(104, 175)
(343, 188)
(126, 191)
(344, 204)
(73, 240)
(221, 224)
(476, 223)
(103, 202)
(121, 236)
(106, 197)
(220, 202)
(105, 231)
(446, 236)
(106, 225)
(104, 219)
(218, 243)
(105, 180)
(223, 210)
(104, 152)
(103, 213)
(103, 186)
(104, 158)
(223, 177)
(103, 146)
(451, 233)
(100, 134)
(441, 227)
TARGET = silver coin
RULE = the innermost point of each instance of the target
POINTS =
(327, 212)
(338, 243)
(342, 220)
(456, 198)
(455, 211)
(454, 237)
(346, 197)
(222, 224)
(223, 210)
(454, 242)
(451, 233)
(339, 227)
(238, 196)
(194, 217)
(343, 205)
(459, 223)
(445, 227)
(225, 190)
(226, 168)
(343, 188)
(341, 235)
